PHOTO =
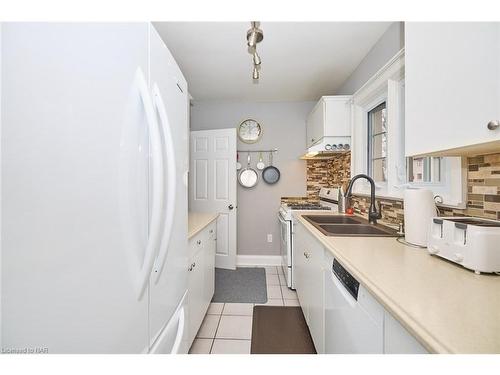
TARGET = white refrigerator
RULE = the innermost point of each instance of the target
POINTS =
(94, 160)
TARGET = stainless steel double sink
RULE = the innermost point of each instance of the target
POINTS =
(348, 226)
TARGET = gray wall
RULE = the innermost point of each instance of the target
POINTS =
(385, 48)
(284, 128)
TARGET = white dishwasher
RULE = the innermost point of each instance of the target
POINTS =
(354, 320)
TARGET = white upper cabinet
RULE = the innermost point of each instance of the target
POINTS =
(452, 88)
(330, 117)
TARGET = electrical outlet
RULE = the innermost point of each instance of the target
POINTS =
(269, 238)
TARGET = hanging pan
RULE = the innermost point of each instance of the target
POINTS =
(260, 164)
(271, 174)
(238, 164)
(248, 177)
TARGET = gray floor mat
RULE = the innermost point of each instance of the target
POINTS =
(243, 285)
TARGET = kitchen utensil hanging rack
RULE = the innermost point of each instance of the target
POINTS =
(263, 151)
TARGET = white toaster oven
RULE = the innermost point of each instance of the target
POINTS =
(471, 242)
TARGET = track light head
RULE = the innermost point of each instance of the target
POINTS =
(254, 36)
(255, 73)
(256, 59)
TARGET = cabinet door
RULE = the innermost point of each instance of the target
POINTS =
(209, 263)
(315, 123)
(397, 340)
(196, 303)
(452, 82)
(299, 266)
(309, 253)
(337, 118)
(316, 294)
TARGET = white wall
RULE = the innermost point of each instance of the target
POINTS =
(284, 128)
(385, 48)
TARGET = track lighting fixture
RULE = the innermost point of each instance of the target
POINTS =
(254, 36)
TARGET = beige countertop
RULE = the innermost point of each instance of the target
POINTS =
(199, 220)
(447, 308)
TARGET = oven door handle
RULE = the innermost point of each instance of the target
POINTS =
(282, 223)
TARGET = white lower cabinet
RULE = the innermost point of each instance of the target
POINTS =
(209, 262)
(201, 277)
(338, 322)
(308, 255)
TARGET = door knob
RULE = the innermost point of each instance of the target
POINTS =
(230, 206)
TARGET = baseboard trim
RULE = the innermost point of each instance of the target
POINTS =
(258, 260)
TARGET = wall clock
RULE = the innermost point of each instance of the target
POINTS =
(249, 131)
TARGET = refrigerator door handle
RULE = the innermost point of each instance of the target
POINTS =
(180, 331)
(157, 184)
(170, 160)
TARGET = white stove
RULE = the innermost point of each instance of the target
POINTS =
(328, 201)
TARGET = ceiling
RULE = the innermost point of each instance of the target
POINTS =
(300, 60)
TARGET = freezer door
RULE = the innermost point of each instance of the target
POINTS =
(173, 339)
(168, 281)
(75, 156)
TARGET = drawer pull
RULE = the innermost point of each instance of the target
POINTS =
(493, 125)
(198, 242)
(307, 255)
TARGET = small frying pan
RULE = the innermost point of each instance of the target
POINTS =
(271, 174)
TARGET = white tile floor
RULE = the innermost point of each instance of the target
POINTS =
(227, 327)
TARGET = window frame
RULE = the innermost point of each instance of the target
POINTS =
(370, 141)
(388, 85)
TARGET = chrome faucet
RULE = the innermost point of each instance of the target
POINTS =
(373, 215)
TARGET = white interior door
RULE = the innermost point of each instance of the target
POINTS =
(212, 186)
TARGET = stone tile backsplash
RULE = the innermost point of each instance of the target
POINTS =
(328, 173)
(483, 188)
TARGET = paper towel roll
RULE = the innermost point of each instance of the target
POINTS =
(419, 208)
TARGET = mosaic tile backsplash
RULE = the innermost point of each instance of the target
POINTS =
(483, 188)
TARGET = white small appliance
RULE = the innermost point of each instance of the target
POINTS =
(470, 242)
(328, 202)
(419, 208)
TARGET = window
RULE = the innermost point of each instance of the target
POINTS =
(377, 143)
(424, 169)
